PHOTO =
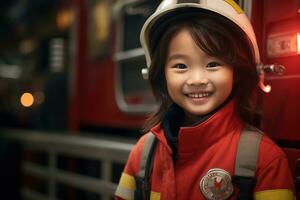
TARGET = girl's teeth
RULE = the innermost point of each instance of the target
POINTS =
(199, 95)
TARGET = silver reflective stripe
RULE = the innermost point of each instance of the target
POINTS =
(124, 193)
(145, 152)
(247, 153)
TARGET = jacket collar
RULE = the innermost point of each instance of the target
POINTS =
(205, 133)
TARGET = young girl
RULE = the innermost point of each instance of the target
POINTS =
(202, 57)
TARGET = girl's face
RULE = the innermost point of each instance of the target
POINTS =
(195, 81)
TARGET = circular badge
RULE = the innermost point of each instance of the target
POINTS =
(216, 184)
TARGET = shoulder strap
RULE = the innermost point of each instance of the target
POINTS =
(247, 152)
(148, 149)
(246, 161)
(142, 178)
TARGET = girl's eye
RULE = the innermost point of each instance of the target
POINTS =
(180, 66)
(213, 64)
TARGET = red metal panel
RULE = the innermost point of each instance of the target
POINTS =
(282, 105)
(99, 107)
(77, 71)
(93, 101)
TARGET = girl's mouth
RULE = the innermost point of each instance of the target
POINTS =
(199, 95)
(199, 98)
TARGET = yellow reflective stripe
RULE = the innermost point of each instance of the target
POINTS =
(126, 187)
(280, 194)
(154, 195)
(235, 6)
(127, 181)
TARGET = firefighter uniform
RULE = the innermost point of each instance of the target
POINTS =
(204, 153)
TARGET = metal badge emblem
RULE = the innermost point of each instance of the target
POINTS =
(216, 184)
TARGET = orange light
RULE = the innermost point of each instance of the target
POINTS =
(27, 99)
(64, 18)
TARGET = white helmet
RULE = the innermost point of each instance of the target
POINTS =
(226, 8)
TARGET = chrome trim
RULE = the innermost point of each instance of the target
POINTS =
(85, 147)
(127, 55)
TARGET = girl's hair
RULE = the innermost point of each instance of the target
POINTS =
(217, 37)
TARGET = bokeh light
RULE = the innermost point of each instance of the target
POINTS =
(27, 99)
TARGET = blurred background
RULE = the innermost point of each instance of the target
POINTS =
(69, 82)
(58, 64)
(73, 101)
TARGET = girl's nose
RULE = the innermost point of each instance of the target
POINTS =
(197, 77)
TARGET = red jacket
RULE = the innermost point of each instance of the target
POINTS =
(209, 145)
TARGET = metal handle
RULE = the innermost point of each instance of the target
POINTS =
(274, 69)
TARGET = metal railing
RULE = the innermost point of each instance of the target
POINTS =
(106, 150)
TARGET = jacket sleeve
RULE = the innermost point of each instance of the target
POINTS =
(127, 185)
(274, 179)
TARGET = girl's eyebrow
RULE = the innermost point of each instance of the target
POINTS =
(177, 56)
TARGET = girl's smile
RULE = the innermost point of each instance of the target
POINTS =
(199, 97)
(196, 81)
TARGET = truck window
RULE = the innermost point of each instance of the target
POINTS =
(132, 91)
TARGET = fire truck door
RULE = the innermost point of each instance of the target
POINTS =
(280, 43)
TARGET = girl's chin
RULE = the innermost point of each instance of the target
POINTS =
(196, 113)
